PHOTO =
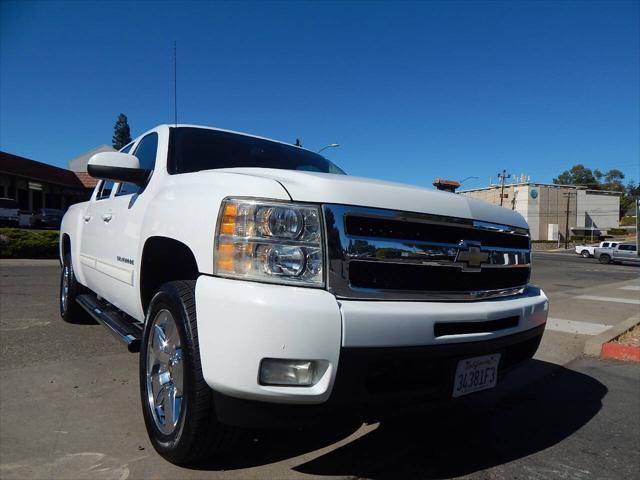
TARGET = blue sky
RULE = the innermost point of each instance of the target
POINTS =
(410, 90)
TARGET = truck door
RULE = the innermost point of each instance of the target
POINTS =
(92, 243)
(122, 233)
(625, 253)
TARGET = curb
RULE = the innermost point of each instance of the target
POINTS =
(594, 346)
(615, 351)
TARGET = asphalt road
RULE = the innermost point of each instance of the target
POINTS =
(69, 403)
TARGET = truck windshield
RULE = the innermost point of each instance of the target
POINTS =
(194, 149)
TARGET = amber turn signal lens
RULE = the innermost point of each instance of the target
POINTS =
(225, 257)
(228, 226)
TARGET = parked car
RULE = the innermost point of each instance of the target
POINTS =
(47, 218)
(588, 250)
(622, 253)
(263, 286)
(25, 218)
(8, 212)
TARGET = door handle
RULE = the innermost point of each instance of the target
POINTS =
(107, 217)
(87, 218)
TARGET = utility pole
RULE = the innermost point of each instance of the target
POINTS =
(503, 176)
(637, 233)
(566, 225)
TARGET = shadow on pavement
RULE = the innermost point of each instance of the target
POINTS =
(470, 437)
(456, 440)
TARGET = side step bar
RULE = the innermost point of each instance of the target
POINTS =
(122, 327)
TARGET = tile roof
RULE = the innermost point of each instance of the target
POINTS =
(87, 180)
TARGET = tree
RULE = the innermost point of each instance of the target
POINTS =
(597, 180)
(579, 175)
(628, 200)
(613, 180)
(121, 132)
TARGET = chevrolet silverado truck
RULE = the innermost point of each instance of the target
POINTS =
(263, 286)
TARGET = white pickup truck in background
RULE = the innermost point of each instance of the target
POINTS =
(588, 251)
(264, 286)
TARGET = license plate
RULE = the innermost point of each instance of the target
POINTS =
(475, 374)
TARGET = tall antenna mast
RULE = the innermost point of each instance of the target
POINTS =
(175, 84)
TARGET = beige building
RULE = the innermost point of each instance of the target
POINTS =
(545, 206)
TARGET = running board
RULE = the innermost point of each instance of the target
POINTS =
(124, 328)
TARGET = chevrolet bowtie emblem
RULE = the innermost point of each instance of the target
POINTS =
(472, 255)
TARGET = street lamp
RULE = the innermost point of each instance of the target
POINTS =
(464, 180)
(331, 145)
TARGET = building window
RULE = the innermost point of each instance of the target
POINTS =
(23, 199)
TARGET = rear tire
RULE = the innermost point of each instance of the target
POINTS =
(177, 403)
(70, 311)
(585, 254)
(604, 259)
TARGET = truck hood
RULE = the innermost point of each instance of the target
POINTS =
(367, 192)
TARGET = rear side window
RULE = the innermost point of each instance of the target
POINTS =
(104, 191)
(605, 245)
(628, 248)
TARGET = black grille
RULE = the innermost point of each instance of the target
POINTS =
(407, 230)
(398, 276)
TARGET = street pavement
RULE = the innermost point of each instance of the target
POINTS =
(70, 408)
(585, 298)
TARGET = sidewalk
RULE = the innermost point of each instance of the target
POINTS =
(577, 315)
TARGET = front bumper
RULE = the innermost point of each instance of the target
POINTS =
(376, 381)
(240, 323)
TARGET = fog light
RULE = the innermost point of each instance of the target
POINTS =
(280, 371)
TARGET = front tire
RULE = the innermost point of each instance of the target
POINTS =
(177, 404)
(604, 259)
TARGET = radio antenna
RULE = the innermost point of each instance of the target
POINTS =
(175, 84)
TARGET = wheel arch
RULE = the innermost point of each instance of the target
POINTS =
(163, 260)
(65, 246)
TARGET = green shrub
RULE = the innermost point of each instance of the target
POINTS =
(617, 231)
(22, 243)
(628, 221)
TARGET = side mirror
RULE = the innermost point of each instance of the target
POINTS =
(120, 167)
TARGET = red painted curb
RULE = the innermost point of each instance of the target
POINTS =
(617, 351)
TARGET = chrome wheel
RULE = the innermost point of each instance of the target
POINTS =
(164, 372)
(64, 288)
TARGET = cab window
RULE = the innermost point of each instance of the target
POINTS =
(104, 189)
(146, 152)
(127, 148)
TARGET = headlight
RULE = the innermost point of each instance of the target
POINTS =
(269, 242)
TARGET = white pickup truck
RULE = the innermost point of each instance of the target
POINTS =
(588, 251)
(264, 286)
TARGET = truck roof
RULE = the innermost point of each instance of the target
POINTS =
(178, 125)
